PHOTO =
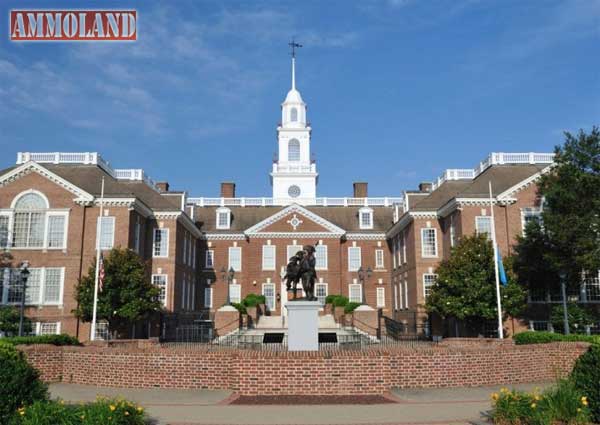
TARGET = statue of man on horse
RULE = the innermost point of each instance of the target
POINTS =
(301, 267)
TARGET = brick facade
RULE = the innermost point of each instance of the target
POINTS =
(371, 371)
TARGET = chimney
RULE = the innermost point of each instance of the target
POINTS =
(162, 186)
(425, 186)
(228, 190)
(360, 189)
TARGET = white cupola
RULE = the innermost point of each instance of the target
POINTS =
(294, 174)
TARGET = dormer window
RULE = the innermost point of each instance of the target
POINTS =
(293, 150)
(294, 115)
(223, 218)
(365, 218)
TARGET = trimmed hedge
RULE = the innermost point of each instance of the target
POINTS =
(61, 339)
(20, 384)
(252, 300)
(240, 307)
(546, 337)
(350, 307)
(336, 300)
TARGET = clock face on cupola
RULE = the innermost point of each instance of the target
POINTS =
(294, 174)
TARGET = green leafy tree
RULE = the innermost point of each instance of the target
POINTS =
(571, 216)
(466, 285)
(9, 321)
(579, 317)
(127, 295)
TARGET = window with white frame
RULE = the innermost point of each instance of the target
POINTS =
(102, 331)
(404, 248)
(185, 248)
(160, 281)
(428, 242)
(235, 293)
(452, 231)
(32, 224)
(355, 292)
(293, 150)
(268, 290)
(209, 259)
(394, 252)
(45, 286)
(428, 282)
(193, 259)
(483, 225)
(540, 326)
(268, 257)
(235, 258)
(223, 218)
(379, 258)
(105, 232)
(47, 328)
(591, 288)
(396, 296)
(292, 250)
(365, 216)
(380, 297)
(529, 215)
(137, 234)
(160, 244)
(321, 292)
(406, 294)
(208, 297)
(354, 258)
(321, 257)
(294, 114)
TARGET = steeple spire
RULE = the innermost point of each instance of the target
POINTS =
(294, 46)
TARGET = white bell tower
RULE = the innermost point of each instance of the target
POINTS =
(294, 175)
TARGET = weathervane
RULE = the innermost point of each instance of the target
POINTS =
(294, 46)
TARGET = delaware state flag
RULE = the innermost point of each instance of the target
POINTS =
(501, 272)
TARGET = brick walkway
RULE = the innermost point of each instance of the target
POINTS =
(457, 406)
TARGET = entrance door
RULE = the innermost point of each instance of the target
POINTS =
(268, 290)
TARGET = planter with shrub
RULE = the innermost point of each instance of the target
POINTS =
(532, 337)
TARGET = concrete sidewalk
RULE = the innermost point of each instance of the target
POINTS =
(452, 406)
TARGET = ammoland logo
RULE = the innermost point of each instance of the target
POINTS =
(73, 25)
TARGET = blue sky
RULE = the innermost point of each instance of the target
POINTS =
(397, 90)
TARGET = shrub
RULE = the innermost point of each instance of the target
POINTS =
(562, 403)
(252, 300)
(586, 377)
(100, 412)
(350, 307)
(579, 318)
(9, 321)
(545, 337)
(336, 300)
(240, 307)
(61, 339)
(20, 382)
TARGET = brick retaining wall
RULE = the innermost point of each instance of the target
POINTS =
(371, 371)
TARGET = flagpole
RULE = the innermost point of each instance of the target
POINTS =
(99, 228)
(496, 273)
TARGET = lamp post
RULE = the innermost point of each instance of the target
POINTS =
(227, 276)
(24, 272)
(363, 276)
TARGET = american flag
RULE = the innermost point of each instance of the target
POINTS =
(101, 273)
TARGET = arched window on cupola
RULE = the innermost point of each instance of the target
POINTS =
(293, 150)
(294, 115)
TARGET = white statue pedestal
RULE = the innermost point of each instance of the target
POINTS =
(303, 325)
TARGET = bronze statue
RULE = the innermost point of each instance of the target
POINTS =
(301, 267)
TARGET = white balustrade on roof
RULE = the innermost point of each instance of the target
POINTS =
(323, 201)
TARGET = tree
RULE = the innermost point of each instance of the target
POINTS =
(127, 295)
(571, 216)
(9, 321)
(466, 285)
(578, 317)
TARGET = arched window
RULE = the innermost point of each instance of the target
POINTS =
(294, 150)
(29, 221)
(294, 115)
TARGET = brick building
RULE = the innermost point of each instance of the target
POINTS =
(381, 251)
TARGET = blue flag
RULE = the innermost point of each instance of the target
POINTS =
(501, 272)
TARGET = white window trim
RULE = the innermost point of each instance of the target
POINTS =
(360, 294)
(5, 278)
(229, 259)
(427, 229)
(47, 213)
(404, 248)
(326, 266)
(164, 303)
(480, 218)
(524, 212)
(270, 285)
(223, 210)
(360, 218)
(238, 287)
(266, 266)
(98, 232)
(380, 289)
(165, 241)
(37, 328)
(326, 289)
(379, 264)
(65, 230)
(209, 253)
(423, 282)
(355, 248)
(208, 298)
